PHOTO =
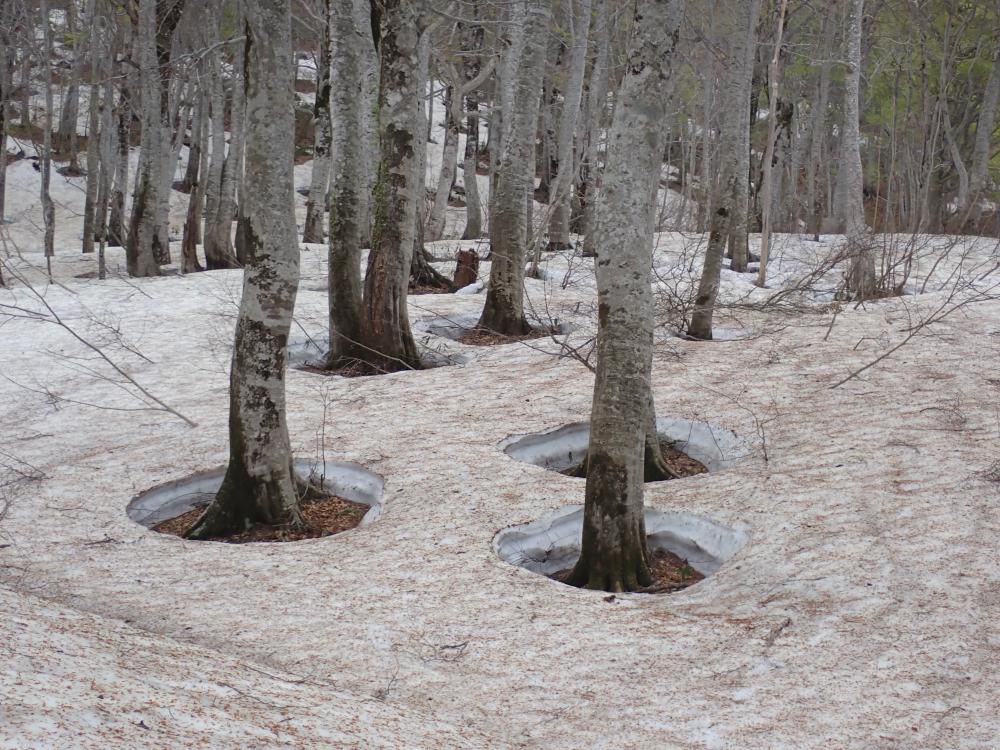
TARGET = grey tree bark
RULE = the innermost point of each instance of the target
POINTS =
(259, 486)
(472, 42)
(45, 158)
(731, 208)
(385, 342)
(984, 130)
(316, 202)
(503, 311)
(597, 109)
(348, 195)
(561, 195)
(850, 177)
(219, 250)
(614, 555)
(767, 190)
(6, 85)
(148, 240)
(744, 53)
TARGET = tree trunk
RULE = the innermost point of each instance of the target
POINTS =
(5, 91)
(446, 177)
(562, 193)
(148, 241)
(503, 311)
(123, 113)
(93, 140)
(259, 486)
(348, 188)
(597, 108)
(982, 151)
(744, 55)
(45, 160)
(850, 177)
(219, 250)
(316, 202)
(614, 555)
(773, 103)
(732, 200)
(385, 342)
(472, 42)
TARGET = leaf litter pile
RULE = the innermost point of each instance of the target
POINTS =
(323, 516)
(669, 572)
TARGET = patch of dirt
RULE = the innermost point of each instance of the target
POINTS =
(483, 337)
(428, 289)
(680, 463)
(670, 573)
(352, 369)
(324, 516)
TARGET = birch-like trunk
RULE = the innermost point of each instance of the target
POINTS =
(503, 311)
(561, 195)
(320, 178)
(259, 486)
(614, 555)
(385, 342)
(348, 186)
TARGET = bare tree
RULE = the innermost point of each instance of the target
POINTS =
(259, 486)
(614, 555)
(503, 311)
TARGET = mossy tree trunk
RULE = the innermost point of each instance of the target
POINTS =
(614, 555)
(258, 486)
(503, 311)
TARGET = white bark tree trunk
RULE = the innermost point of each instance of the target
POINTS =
(614, 554)
(259, 485)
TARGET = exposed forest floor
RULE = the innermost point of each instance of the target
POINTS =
(862, 612)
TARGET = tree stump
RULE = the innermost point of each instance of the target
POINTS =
(467, 270)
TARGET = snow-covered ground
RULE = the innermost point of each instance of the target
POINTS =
(862, 613)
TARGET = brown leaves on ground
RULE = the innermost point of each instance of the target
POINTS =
(669, 571)
(323, 516)
(483, 337)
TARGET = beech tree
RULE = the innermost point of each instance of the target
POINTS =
(259, 484)
(384, 341)
(148, 243)
(503, 311)
(614, 555)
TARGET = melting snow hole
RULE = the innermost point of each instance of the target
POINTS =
(347, 480)
(552, 543)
